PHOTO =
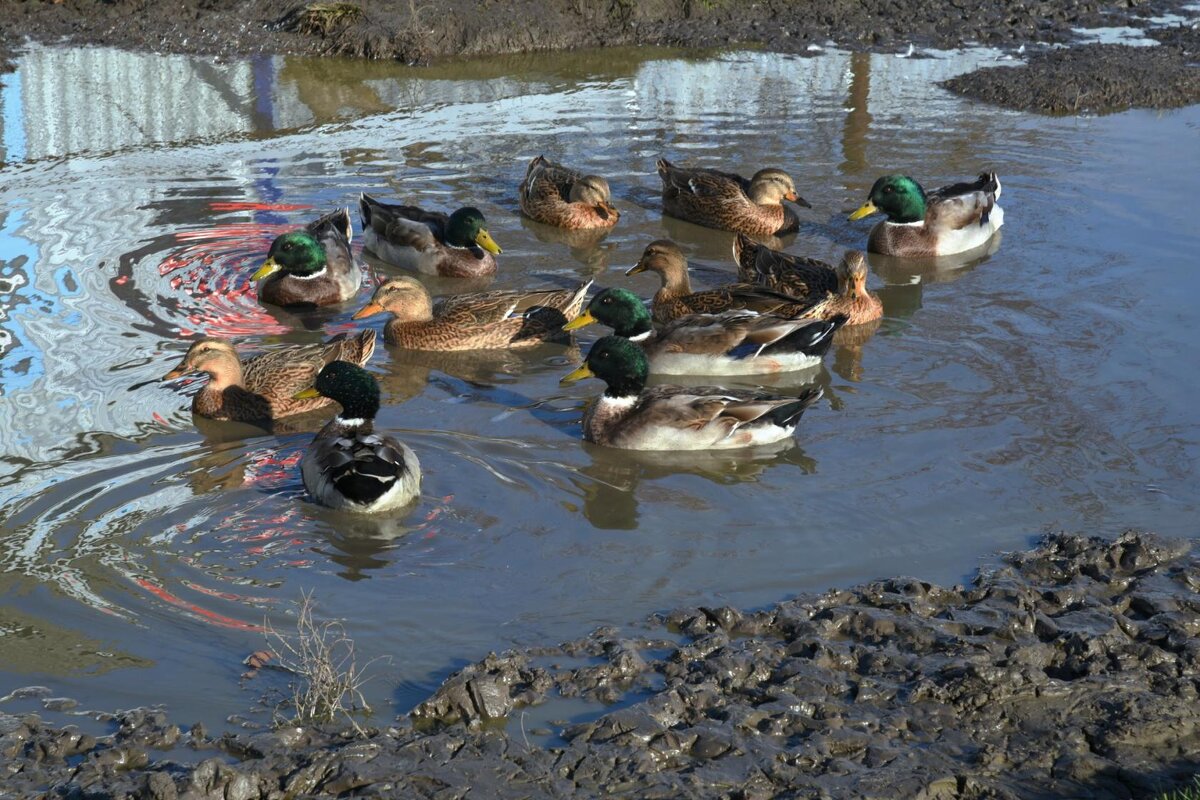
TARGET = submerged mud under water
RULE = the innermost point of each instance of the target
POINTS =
(1038, 386)
(1068, 672)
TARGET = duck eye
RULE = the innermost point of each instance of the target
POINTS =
(607, 300)
(887, 190)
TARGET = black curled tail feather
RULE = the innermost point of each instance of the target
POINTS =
(788, 415)
(813, 339)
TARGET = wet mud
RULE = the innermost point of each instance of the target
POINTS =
(1068, 671)
(1096, 78)
(414, 32)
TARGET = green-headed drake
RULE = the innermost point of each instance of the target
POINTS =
(630, 416)
(728, 343)
(920, 224)
(348, 465)
(454, 246)
(311, 267)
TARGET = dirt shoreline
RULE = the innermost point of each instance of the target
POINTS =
(1068, 671)
(1101, 78)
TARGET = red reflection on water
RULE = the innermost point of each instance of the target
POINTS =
(246, 206)
(200, 611)
(213, 267)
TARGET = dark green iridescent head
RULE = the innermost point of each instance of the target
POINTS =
(467, 228)
(621, 310)
(351, 386)
(898, 196)
(296, 253)
(620, 363)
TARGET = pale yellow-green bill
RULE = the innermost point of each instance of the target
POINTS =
(268, 268)
(581, 321)
(865, 210)
(306, 394)
(485, 240)
(581, 372)
(635, 269)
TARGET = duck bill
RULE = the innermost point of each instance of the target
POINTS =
(583, 371)
(369, 310)
(636, 268)
(179, 371)
(485, 240)
(306, 394)
(860, 290)
(582, 321)
(268, 268)
(865, 210)
(797, 199)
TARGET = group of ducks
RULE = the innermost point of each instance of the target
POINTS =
(780, 316)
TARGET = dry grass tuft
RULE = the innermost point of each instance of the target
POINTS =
(321, 19)
(327, 679)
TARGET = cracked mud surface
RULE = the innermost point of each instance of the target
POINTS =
(1068, 671)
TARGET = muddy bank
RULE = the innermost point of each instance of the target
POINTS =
(1069, 671)
(1097, 78)
(415, 31)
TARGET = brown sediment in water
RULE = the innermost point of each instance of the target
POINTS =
(1068, 671)
(1095, 78)
(415, 31)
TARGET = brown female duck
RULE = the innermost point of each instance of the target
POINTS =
(556, 195)
(480, 321)
(835, 291)
(264, 387)
(675, 297)
(729, 202)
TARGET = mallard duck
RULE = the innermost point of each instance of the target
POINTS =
(556, 195)
(312, 267)
(480, 321)
(675, 297)
(348, 465)
(729, 343)
(455, 246)
(835, 292)
(729, 202)
(263, 388)
(630, 416)
(949, 220)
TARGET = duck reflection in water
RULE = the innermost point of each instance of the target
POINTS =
(610, 483)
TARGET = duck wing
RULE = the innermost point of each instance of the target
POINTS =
(707, 184)
(358, 464)
(962, 204)
(403, 226)
(795, 275)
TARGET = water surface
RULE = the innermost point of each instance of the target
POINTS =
(1047, 385)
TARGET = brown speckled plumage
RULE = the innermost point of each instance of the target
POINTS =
(556, 195)
(262, 388)
(729, 202)
(486, 320)
(675, 297)
(795, 275)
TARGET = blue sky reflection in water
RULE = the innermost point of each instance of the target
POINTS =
(1046, 385)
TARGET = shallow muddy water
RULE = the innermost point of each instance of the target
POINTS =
(1049, 384)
